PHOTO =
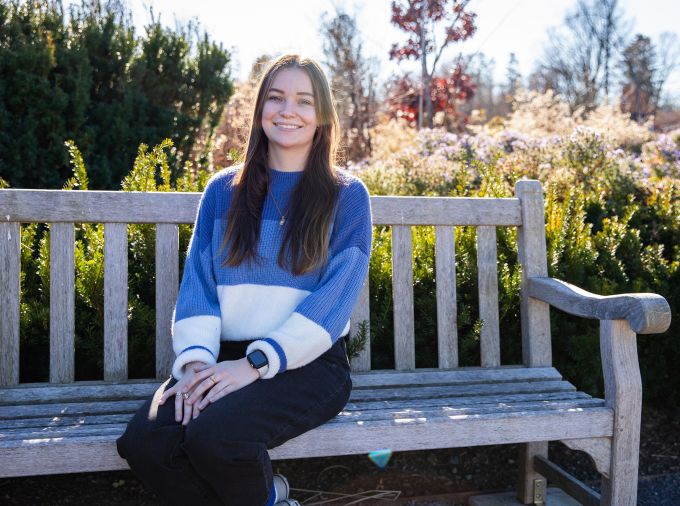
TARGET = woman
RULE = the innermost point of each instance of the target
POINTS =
(277, 258)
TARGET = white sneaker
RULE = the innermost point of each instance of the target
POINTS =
(287, 502)
(282, 488)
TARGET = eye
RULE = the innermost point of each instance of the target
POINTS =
(274, 97)
(306, 102)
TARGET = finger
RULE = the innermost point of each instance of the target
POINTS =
(187, 413)
(169, 393)
(202, 388)
(221, 393)
(196, 378)
(179, 403)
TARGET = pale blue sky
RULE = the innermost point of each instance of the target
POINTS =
(254, 27)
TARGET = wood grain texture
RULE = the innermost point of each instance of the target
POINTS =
(98, 453)
(572, 486)
(623, 393)
(531, 249)
(402, 293)
(487, 270)
(362, 313)
(180, 207)
(598, 449)
(10, 272)
(98, 206)
(447, 310)
(167, 287)
(445, 211)
(115, 302)
(62, 302)
(646, 313)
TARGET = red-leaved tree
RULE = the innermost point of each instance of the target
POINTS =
(404, 96)
(421, 19)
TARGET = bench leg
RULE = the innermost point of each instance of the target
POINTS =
(529, 490)
(623, 392)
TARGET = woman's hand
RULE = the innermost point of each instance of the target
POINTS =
(220, 379)
(185, 411)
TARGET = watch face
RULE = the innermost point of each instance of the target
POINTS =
(258, 359)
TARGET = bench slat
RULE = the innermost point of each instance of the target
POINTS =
(358, 398)
(121, 413)
(98, 453)
(402, 293)
(488, 296)
(447, 311)
(360, 314)
(180, 207)
(167, 286)
(62, 302)
(115, 302)
(97, 390)
(10, 272)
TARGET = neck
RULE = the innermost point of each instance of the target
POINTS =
(288, 160)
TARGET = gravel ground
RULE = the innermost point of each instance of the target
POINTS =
(451, 475)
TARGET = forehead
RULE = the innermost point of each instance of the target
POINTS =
(292, 80)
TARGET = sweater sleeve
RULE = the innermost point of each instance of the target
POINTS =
(196, 321)
(323, 315)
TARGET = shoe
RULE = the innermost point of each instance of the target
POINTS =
(282, 488)
(287, 502)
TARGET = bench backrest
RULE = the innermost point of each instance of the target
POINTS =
(62, 209)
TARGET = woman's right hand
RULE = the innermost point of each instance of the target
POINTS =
(184, 411)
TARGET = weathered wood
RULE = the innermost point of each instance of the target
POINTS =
(529, 479)
(97, 453)
(488, 297)
(10, 273)
(402, 294)
(98, 206)
(623, 393)
(458, 211)
(646, 313)
(62, 302)
(115, 302)
(447, 311)
(361, 313)
(534, 314)
(167, 286)
(180, 207)
(598, 449)
(531, 249)
(572, 486)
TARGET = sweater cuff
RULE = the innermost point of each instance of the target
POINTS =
(192, 354)
(275, 356)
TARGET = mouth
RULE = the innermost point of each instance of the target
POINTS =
(287, 126)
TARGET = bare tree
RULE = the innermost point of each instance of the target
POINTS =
(578, 61)
(353, 79)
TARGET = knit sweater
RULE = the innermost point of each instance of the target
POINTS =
(292, 319)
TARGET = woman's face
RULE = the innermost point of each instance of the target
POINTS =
(289, 113)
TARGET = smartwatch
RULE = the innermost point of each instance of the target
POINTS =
(258, 361)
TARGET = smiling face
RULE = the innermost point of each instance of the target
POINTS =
(289, 114)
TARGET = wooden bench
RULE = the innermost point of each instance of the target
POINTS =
(65, 426)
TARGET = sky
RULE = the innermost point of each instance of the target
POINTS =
(254, 27)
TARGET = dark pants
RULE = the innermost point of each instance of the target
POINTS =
(221, 458)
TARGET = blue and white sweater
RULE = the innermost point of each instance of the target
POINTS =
(293, 319)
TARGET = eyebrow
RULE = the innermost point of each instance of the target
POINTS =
(299, 92)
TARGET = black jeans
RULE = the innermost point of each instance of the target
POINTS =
(221, 458)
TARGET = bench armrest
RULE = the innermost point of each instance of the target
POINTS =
(646, 313)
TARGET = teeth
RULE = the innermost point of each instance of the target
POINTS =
(288, 127)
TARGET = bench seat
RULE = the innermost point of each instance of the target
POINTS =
(75, 431)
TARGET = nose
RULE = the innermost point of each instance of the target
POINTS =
(287, 109)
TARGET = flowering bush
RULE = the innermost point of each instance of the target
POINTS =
(612, 226)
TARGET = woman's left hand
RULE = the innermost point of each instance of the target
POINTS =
(223, 378)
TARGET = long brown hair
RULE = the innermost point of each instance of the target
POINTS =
(312, 203)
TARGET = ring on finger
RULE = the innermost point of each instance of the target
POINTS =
(185, 395)
(213, 379)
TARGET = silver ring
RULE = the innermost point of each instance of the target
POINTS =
(212, 377)
(185, 395)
